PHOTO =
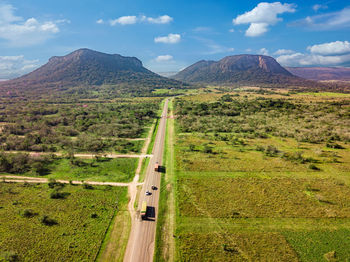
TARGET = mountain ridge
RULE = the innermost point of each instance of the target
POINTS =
(321, 73)
(241, 70)
(85, 67)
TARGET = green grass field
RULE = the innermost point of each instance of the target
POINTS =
(79, 222)
(247, 195)
(105, 170)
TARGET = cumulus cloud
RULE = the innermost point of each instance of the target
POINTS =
(133, 19)
(299, 59)
(164, 19)
(100, 21)
(328, 21)
(284, 52)
(332, 48)
(328, 54)
(124, 20)
(263, 51)
(14, 66)
(164, 58)
(263, 16)
(19, 31)
(169, 39)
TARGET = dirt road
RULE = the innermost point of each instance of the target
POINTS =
(27, 179)
(142, 237)
(84, 155)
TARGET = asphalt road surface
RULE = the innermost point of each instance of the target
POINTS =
(143, 232)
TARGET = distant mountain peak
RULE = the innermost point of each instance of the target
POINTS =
(238, 69)
(85, 67)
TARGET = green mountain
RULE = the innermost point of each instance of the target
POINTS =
(240, 70)
(85, 68)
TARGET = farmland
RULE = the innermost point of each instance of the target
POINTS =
(262, 176)
(34, 223)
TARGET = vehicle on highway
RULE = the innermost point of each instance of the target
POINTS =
(143, 211)
(156, 167)
(148, 193)
(154, 188)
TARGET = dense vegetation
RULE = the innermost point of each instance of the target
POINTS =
(261, 117)
(82, 126)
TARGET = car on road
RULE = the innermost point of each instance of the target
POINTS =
(148, 193)
(154, 188)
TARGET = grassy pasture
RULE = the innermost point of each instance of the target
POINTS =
(253, 197)
(266, 178)
(82, 220)
(105, 169)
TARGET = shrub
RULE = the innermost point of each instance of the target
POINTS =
(271, 151)
(53, 184)
(48, 221)
(87, 186)
(314, 167)
(28, 213)
(334, 146)
(59, 195)
(9, 257)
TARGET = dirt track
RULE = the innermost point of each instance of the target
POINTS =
(25, 179)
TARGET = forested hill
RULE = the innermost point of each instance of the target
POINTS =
(241, 70)
(86, 68)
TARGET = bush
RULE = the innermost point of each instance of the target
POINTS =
(53, 184)
(48, 221)
(9, 257)
(334, 146)
(271, 151)
(59, 195)
(314, 167)
(87, 186)
(28, 213)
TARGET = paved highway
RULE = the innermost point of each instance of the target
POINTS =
(143, 232)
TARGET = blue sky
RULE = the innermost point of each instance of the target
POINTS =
(170, 35)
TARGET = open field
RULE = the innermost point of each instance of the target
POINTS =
(101, 169)
(262, 176)
(34, 222)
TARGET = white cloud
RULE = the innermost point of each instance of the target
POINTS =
(21, 32)
(263, 51)
(164, 58)
(332, 48)
(256, 29)
(124, 20)
(299, 59)
(263, 16)
(231, 30)
(319, 7)
(133, 19)
(284, 52)
(14, 66)
(328, 21)
(328, 54)
(169, 39)
(164, 19)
